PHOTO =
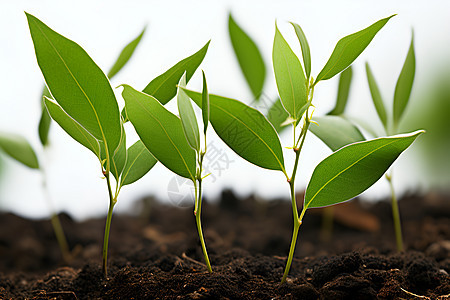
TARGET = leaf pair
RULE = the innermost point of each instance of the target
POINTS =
(85, 106)
(402, 90)
(173, 141)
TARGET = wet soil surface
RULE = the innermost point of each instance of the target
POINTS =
(156, 254)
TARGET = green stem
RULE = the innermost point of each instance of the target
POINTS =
(199, 224)
(56, 224)
(395, 215)
(112, 202)
(327, 224)
(291, 181)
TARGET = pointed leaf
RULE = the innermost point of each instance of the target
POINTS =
(348, 49)
(187, 116)
(17, 147)
(125, 55)
(249, 57)
(160, 131)
(45, 120)
(404, 83)
(351, 170)
(77, 83)
(205, 104)
(291, 81)
(164, 87)
(245, 130)
(345, 79)
(335, 131)
(71, 127)
(277, 115)
(139, 162)
(305, 48)
(376, 97)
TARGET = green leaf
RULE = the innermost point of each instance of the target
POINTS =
(335, 131)
(245, 130)
(71, 127)
(277, 115)
(291, 81)
(164, 87)
(345, 80)
(404, 84)
(125, 55)
(160, 131)
(348, 49)
(139, 162)
(305, 48)
(351, 170)
(45, 120)
(376, 97)
(77, 84)
(187, 116)
(18, 148)
(205, 104)
(249, 57)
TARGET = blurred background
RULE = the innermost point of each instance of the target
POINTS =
(177, 29)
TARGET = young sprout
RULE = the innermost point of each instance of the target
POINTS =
(84, 105)
(341, 176)
(19, 149)
(174, 141)
(391, 121)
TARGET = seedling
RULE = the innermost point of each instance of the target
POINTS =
(174, 141)
(18, 148)
(390, 121)
(341, 176)
(84, 105)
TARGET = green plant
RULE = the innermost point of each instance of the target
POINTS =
(174, 141)
(391, 120)
(341, 176)
(83, 103)
(18, 148)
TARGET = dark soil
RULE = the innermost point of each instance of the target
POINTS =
(156, 254)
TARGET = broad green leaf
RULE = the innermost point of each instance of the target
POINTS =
(291, 81)
(335, 131)
(348, 49)
(164, 87)
(18, 148)
(120, 157)
(160, 131)
(125, 55)
(351, 170)
(249, 57)
(139, 162)
(376, 96)
(345, 80)
(404, 83)
(245, 130)
(45, 120)
(71, 127)
(277, 115)
(77, 84)
(305, 48)
(187, 116)
(205, 104)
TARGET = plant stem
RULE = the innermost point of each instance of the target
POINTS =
(327, 223)
(291, 181)
(199, 224)
(56, 224)
(112, 202)
(395, 215)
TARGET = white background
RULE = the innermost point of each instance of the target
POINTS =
(175, 30)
